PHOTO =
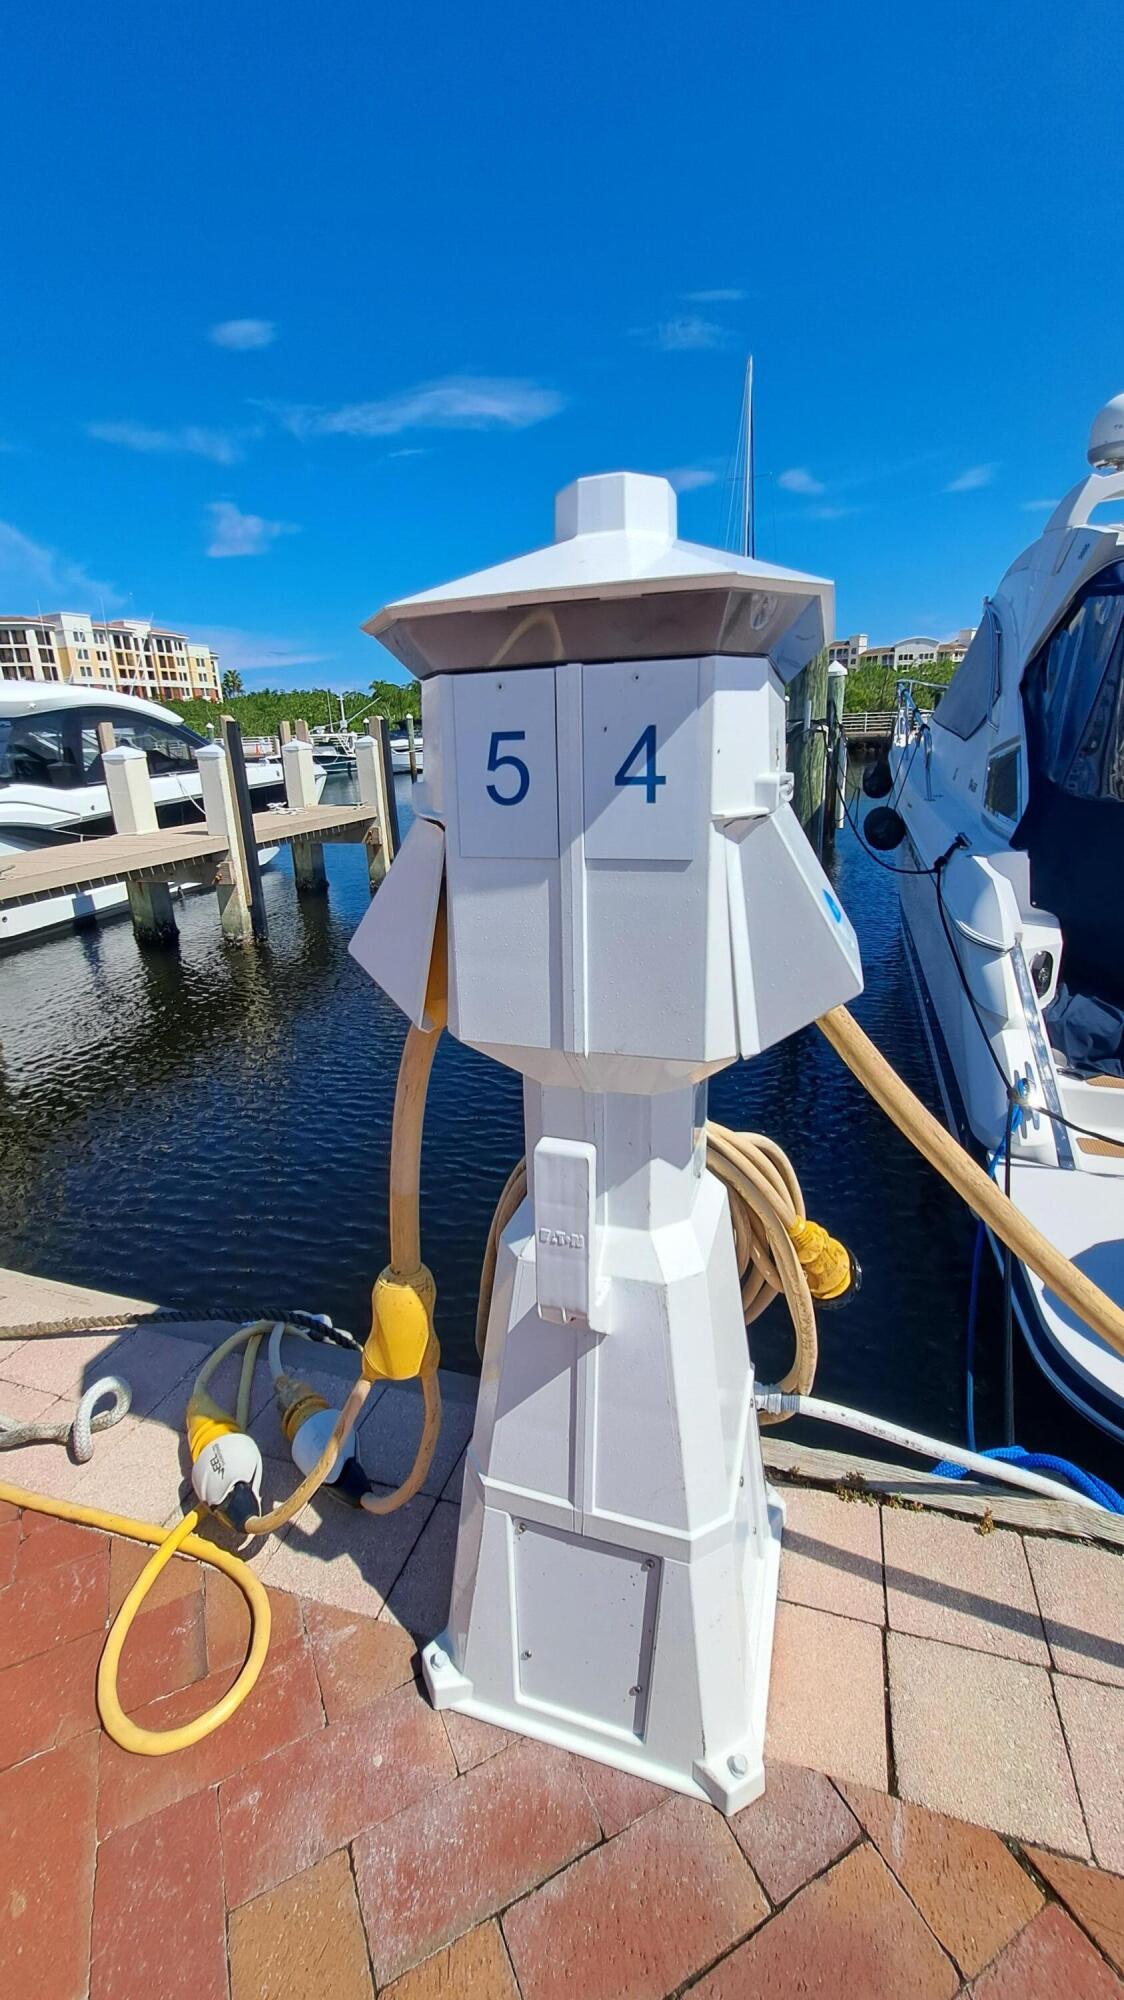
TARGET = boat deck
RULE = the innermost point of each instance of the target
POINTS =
(946, 1734)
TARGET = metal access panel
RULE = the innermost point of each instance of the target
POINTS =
(572, 1656)
(641, 741)
(507, 764)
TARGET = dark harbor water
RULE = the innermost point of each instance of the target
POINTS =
(212, 1125)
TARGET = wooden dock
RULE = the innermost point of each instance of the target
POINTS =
(222, 853)
(171, 854)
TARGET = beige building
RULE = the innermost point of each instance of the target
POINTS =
(127, 654)
(847, 652)
(906, 656)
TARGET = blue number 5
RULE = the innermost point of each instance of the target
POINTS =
(649, 777)
(498, 763)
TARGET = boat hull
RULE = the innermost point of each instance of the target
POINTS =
(946, 1022)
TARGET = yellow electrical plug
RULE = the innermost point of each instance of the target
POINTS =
(298, 1402)
(206, 1421)
(828, 1265)
(401, 1325)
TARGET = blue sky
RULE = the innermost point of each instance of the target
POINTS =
(457, 256)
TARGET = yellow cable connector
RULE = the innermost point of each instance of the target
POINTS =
(401, 1324)
(826, 1262)
(303, 1402)
(206, 1421)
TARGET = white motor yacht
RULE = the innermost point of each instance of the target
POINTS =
(400, 753)
(52, 789)
(1012, 798)
(334, 749)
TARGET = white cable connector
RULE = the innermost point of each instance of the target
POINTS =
(311, 1440)
(229, 1461)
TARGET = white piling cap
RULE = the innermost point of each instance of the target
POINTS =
(615, 584)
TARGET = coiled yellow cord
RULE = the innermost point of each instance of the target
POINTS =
(182, 1541)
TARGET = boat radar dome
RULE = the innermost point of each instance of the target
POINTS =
(1106, 439)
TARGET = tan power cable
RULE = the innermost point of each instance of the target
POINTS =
(958, 1168)
(766, 1206)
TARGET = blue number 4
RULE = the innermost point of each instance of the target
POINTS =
(508, 763)
(649, 777)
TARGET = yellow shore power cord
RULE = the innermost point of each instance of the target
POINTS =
(779, 1252)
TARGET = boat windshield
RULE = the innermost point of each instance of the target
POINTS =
(34, 750)
(169, 746)
(59, 747)
(1074, 695)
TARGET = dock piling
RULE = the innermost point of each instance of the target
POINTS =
(300, 792)
(133, 807)
(372, 789)
(244, 827)
(807, 752)
(222, 821)
(411, 750)
(392, 838)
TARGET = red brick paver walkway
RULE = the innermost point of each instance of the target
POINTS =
(340, 1839)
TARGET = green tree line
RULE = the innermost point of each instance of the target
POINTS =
(261, 713)
(872, 687)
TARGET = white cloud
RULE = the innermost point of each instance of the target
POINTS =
(687, 478)
(236, 534)
(456, 403)
(243, 334)
(1038, 506)
(722, 295)
(969, 481)
(798, 479)
(830, 513)
(688, 333)
(32, 570)
(221, 447)
(255, 652)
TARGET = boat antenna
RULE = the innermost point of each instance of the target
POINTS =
(749, 526)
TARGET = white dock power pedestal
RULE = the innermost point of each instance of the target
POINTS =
(631, 905)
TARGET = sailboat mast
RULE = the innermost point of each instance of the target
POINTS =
(749, 531)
